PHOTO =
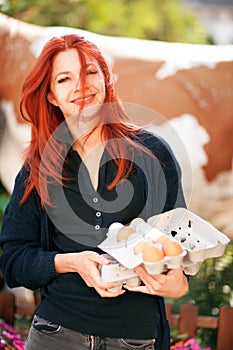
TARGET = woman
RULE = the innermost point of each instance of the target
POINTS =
(86, 167)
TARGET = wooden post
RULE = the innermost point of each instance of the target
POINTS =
(7, 307)
(168, 311)
(225, 330)
(188, 320)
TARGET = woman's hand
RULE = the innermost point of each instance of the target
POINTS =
(86, 265)
(173, 284)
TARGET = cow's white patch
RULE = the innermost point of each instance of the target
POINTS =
(15, 138)
(187, 139)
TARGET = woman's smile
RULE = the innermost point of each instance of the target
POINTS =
(86, 100)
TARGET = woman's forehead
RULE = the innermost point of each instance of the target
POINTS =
(71, 56)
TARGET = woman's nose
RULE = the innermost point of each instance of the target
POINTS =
(77, 84)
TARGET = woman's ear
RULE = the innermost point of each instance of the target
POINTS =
(51, 99)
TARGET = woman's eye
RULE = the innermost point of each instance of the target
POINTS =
(91, 72)
(63, 80)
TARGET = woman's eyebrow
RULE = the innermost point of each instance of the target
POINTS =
(65, 72)
(91, 64)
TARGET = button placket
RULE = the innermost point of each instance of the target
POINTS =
(98, 213)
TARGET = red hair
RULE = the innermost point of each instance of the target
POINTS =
(45, 118)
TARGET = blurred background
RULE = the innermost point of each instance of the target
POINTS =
(173, 57)
(190, 21)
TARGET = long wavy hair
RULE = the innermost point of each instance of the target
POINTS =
(45, 118)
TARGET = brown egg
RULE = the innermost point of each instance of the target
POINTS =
(162, 239)
(172, 248)
(152, 253)
(124, 233)
(135, 222)
(140, 246)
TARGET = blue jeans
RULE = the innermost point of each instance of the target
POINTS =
(44, 335)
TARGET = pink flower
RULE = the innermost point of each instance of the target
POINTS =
(2, 344)
(194, 345)
(9, 339)
(7, 335)
(190, 344)
(19, 344)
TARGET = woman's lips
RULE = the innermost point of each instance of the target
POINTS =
(86, 100)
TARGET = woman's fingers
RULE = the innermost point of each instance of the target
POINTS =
(88, 269)
(173, 284)
(108, 293)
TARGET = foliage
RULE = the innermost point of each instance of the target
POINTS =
(165, 20)
(4, 198)
(212, 283)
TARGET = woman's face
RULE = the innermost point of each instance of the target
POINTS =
(65, 86)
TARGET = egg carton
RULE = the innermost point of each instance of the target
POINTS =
(199, 239)
(123, 252)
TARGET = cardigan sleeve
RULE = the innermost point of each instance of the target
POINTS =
(23, 260)
(173, 177)
(163, 174)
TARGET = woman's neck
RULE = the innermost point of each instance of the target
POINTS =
(90, 147)
(88, 141)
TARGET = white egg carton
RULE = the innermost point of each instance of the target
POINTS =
(123, 252)
(199, 239)
(115, 272)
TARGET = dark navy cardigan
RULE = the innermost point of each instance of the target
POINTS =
(26, 237)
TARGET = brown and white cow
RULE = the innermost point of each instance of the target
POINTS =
(189, 85)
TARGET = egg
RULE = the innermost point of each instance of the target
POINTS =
(163, 239)
(172, 248)
(135, 222)
(140, 247)
(152, 253)
(124, 233)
